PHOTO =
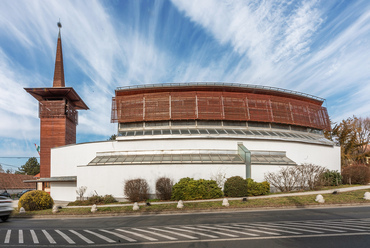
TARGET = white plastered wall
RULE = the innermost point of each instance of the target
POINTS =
(63, 191)
(71, 160)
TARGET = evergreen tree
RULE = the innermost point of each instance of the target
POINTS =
(31, 167)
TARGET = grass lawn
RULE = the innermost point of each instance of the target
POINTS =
(352, 197)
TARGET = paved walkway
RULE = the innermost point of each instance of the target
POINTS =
(330, 191)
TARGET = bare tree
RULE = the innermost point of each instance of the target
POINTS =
(81, 191)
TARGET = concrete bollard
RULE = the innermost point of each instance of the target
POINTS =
(367, 196)
(320, 199)
(22, 210)
(225, 202)
(180, 204)
(94, 208)
(55, 209)
(136, 206)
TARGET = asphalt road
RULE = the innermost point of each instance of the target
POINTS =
(316, 227)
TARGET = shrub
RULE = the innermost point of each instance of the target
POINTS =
(35, 200)
(254, 188)
(356, 174)
(163, 188)
(190, 189)
(137, 190)
(235, 187)
(98, 199)
(332, 178)
(304, 176)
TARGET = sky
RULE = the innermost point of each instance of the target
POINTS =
(316, 47)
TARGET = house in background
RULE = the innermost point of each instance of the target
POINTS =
(13, 183)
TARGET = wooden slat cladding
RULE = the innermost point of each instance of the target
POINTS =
(218, 105)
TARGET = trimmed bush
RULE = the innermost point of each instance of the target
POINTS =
(356, 174)
(235, 187)
(332, 178)
(163, 188)
(190, 189)
(137, 190)
(254, 188)
(98, 199)
(35, 200)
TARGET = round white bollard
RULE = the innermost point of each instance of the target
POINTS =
(367, 196)
(22, 210)
(225, 202)
(55, 209)
(180, 204)
(320, 199)
(136, 206)
(94, 208)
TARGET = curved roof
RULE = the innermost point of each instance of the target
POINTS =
(218, 85)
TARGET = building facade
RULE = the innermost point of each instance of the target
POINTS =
(198, 130)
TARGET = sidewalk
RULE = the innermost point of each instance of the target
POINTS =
(330, 191)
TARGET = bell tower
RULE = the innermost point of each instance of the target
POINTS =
(58, 114)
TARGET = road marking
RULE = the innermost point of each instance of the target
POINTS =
(82, 237)
(119, 236)
(219, 233)
(47, 235)
(100, 236)
(154, 233)
(295, 228)
(34, 237)
(238, 226)
(7, 237)
(20, 237)
(138, 234)
(68, 239)
(341, 227)
(179, 234)
(201, 234)
(351, 223)
(234, 231)
(268, 228)
(315, 227)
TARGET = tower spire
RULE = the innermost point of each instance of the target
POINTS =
(59, 68)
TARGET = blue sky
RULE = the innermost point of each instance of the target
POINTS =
(316, 47)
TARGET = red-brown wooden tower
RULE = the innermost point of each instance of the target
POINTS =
(58, 114)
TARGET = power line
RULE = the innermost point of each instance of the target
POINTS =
(20, 157)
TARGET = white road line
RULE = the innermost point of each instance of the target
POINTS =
(243, 227)
(354, 222)
(234, 231)
(68, 239)
(341, 226)
(101, 236)
(34, 237)
(315, 227)
(7, 237)
(199, 233)
(178, 234)
(271, 229)
(47, 235)
(204, 229)
(82, 237)
(138, 234)
(295, 228)
(20, 237)
(155, 233)
(119, 235)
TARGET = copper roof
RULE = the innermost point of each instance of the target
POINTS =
(53, 92)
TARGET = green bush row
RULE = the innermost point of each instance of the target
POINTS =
(190, 189)
(238, 187)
